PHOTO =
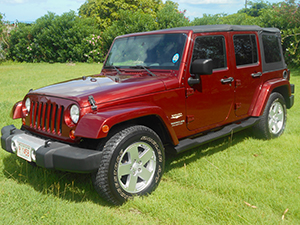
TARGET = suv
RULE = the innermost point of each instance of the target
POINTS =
(178, 87)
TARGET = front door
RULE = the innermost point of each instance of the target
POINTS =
(209, 103)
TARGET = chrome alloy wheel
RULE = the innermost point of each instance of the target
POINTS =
(136, 167)
(276, 117)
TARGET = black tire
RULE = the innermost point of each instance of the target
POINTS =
(132, 164)
(273, 121)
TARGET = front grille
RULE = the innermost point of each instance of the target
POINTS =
(47, 117)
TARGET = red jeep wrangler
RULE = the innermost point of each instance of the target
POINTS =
(179, 87)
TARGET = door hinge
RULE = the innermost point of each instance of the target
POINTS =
(190, 118)
(237, 105)
(189, 92)
(238, 82)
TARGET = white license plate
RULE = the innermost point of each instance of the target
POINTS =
(24, 151)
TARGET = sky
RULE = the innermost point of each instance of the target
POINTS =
(30, 10)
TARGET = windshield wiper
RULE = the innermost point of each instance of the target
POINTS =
(143, 67)
(113, 67)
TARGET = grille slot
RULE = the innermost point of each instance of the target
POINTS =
(47, 117)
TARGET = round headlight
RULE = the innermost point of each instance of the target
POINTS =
(74, 113)
(27, 104)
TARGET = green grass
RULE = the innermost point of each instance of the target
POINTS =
(230, 181)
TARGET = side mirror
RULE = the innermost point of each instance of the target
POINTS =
(200, 67)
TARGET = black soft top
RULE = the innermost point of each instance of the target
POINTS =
(211, 28)
(224, 27)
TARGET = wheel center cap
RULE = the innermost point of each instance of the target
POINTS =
(136, 167)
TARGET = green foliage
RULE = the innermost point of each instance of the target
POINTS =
(208, 19)
(238, 18)
(169, 16)
(283, 15)
(291, 42)
(233, 19)
(93, 48)
(1, 23)
(108, 11)
(51, 38)
(255, 8)
(1, 34)
(4, 36)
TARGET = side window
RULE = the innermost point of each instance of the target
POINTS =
(271, 48)
(245, 48)
(211, 47)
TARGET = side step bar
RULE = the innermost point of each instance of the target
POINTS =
(188, 143)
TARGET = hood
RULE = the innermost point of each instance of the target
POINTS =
(103, 89)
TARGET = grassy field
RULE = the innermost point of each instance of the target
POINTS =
(230, 181)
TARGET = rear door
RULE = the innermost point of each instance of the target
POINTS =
(248, 70)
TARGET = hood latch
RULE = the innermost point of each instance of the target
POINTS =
(92, 102)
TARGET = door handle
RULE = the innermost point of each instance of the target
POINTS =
(227, 80)
(256, 74)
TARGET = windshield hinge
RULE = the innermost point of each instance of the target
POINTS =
(92, 102)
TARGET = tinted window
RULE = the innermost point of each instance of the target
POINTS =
(271, 48)
(245, 49)
(211, 47)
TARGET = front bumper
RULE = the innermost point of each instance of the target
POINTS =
(53, 155)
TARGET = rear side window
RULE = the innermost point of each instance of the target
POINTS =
(211, 47)
(271, 48)
(245, 48)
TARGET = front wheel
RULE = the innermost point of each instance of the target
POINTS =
(132, 164)
(273, 120)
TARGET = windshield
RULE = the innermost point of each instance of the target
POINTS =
(161, 51)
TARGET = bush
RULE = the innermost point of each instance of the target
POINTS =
(52, 38)
(93, 50)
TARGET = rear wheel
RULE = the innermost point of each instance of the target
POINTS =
(273, 120)
(132, 164)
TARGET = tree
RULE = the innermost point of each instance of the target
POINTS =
(52, 38)
(208, 19)
(108, 11)
(255, 8)
(169, 16)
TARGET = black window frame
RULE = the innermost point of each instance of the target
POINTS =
(268, 67)
(267, 58)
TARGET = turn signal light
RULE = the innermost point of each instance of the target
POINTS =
(72, 134)
(105, 129)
